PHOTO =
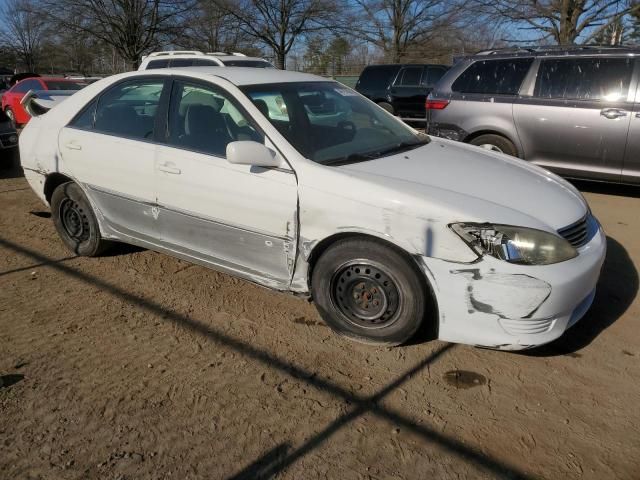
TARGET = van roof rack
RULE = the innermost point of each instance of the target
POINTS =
(230, 54)
(557, 48)
(171, 53)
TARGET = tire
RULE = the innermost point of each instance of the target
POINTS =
(369, 292)
(496, 143)
(11, 116)
(75, 221)
(388, 107)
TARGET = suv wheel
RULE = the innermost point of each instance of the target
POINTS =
(388, 107)
(369, 292)
(495, 143)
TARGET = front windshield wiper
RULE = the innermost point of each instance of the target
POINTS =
(402, 147)
(363, 157)
(352, 158)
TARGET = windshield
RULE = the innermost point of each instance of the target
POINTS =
(63, 85)
(332, 124)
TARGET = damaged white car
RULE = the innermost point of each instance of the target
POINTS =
(299, 184)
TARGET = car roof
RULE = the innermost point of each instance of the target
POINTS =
(556, 51)
(400, 65)
(243, 75)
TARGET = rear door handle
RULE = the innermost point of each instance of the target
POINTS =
(169, 168)
(612, 113)
(73, 146)
(638, 115)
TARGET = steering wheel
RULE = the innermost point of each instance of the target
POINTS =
(348, 126)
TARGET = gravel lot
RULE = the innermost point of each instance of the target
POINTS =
(139, 366)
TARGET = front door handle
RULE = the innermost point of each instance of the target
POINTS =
(73, 146)
(612, 113)
(638, 115)
(169, 168)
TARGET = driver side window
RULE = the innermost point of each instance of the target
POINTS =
(205, 120)
(129, 109)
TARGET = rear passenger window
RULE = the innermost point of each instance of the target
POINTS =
(157, 64)
(433, 75)
(605, 79)
(205, 120)
(376, 77)
(129, 109)
(493, 77)
(409, 77)
(201, 62)
(181, 62)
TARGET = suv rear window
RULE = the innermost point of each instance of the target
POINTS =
(499, 77)
(584, 78)
(377, 77)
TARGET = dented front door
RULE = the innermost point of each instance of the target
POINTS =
(237, 217)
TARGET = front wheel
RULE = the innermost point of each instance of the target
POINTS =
(369, 292)
(75, 221)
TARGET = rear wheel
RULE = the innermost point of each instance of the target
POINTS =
(495, 143)
(75, 221)
(369, 292)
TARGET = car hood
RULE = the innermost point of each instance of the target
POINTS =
(489, 186)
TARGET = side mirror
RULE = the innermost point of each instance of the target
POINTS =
(252, 153)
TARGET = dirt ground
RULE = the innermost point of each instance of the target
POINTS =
(139, 366)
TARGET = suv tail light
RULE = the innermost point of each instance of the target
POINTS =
(436, 104)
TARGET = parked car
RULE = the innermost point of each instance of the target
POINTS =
(8, 140)
(400, 89)
(382, 226)
(575, 111)
(11, 98)
(194, 58)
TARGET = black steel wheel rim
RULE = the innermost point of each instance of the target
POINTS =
(74, 220)
(365, 294)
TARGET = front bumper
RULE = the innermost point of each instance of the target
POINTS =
(492, 303)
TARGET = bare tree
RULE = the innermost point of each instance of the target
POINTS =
(131, 27)
(210, 28)
(562, 22)
(278, 24)
(395, 26)
(23, 30)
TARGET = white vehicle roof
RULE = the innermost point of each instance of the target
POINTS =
(244, 75)
(218, 58)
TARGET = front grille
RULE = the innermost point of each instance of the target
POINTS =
(577, 234)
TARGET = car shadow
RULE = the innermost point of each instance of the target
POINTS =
(607, 188)
(616, 291)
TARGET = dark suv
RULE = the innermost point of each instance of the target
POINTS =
(400, 89)
(8, 140)
(575, 111)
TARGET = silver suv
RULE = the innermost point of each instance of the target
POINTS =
(575, 111)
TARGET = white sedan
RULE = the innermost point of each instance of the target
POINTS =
(298, 183)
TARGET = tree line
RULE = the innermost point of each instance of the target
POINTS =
(107, 36)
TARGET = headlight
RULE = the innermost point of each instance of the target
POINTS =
(521, 245)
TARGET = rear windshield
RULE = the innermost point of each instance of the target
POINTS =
(60, 85)
(247, 63)
(376, 77)
(499, 77)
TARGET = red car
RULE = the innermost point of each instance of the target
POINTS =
(11, 98)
